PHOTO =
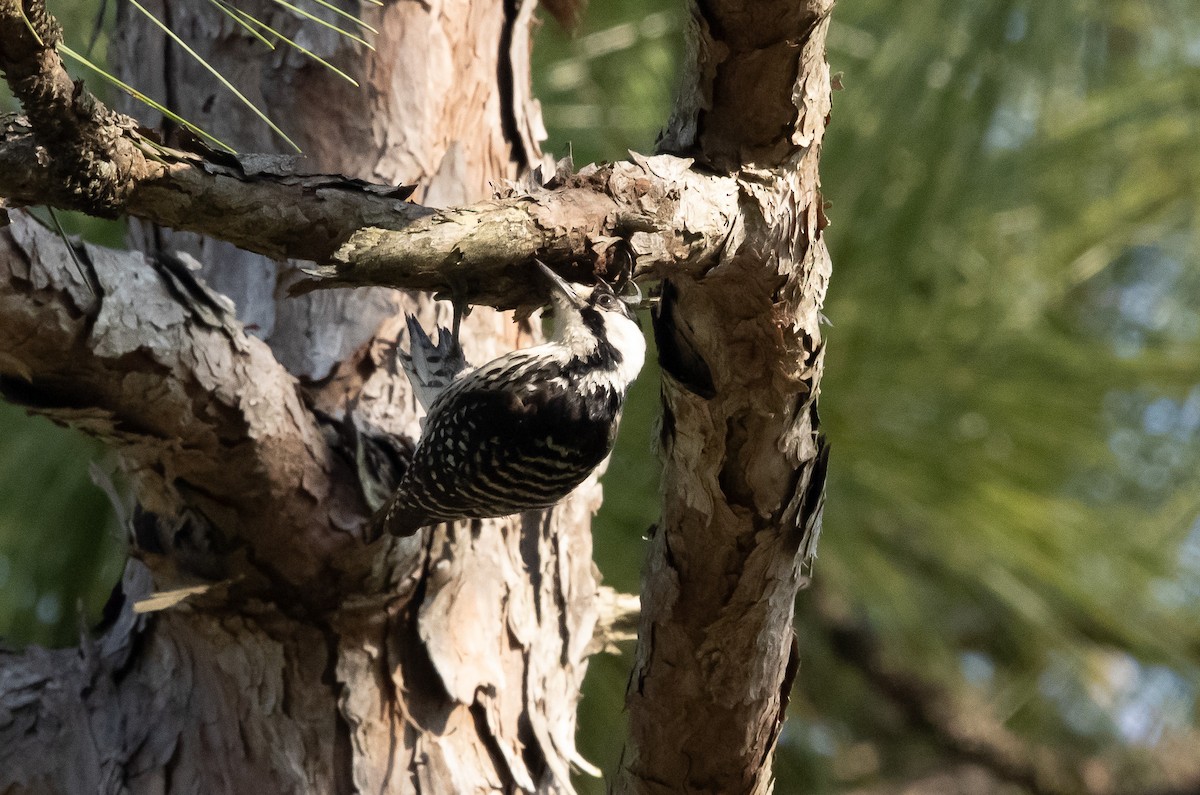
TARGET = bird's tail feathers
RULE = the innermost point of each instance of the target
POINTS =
(431, 368)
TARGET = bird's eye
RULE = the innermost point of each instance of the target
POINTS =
(608, 301)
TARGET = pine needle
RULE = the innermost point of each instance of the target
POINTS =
(29, 25)
(319, 21)
(79, 266)
(140, 97)
(216, 73)
(346, 14)
(249, 18)
(235, 15)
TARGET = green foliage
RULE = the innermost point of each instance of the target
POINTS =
(1012, 202)
(59, 546)
(605, 89)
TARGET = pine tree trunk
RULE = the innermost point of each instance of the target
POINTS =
(447, 663)
(741, 350)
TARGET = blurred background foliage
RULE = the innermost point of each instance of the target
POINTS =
(1009, 574)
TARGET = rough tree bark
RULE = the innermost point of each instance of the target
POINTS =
(298, 659)
(741, 352)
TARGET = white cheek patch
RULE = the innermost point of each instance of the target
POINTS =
(626, 337)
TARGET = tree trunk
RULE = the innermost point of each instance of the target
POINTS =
(741, 353)
(449, 662)
(279, 653)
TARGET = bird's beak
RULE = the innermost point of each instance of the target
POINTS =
(559, 285)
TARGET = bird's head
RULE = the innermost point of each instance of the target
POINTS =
(593, 321)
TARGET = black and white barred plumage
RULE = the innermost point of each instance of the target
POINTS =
(522, 431)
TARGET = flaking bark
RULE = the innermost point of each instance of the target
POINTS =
(139, 354)
(741, 352)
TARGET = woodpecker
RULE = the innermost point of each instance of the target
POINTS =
(522, 431)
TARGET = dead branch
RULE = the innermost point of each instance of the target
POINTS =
(658, 208)
(256, 202)
(655, 208)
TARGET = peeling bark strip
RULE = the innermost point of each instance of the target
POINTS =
(744, 461)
